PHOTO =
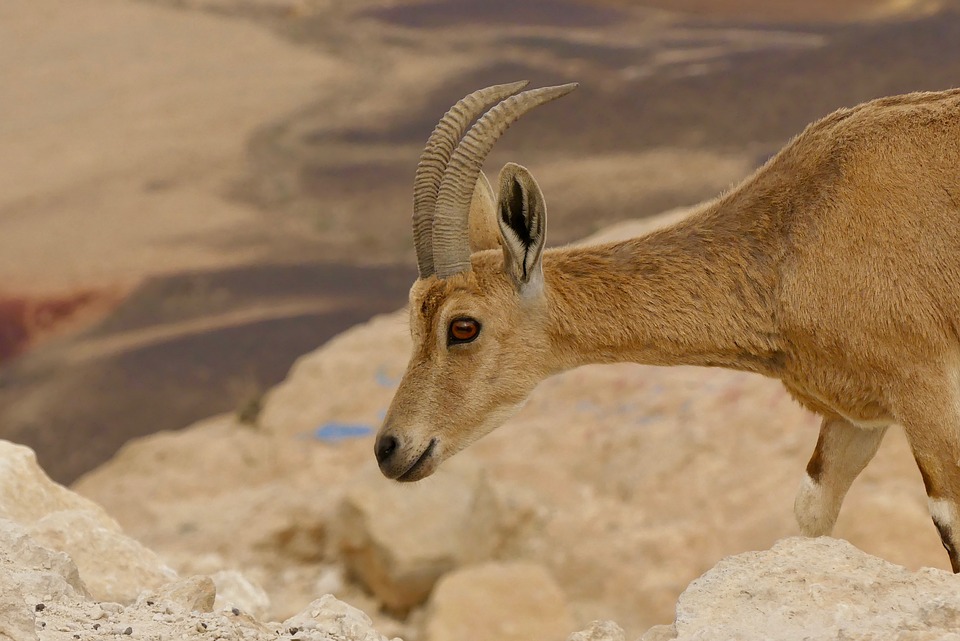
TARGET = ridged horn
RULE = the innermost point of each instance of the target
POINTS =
(433, 162)
(451, 242)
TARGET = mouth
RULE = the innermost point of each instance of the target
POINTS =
(413, 472)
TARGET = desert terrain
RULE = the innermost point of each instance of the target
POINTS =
(196, 195)
(193, 193)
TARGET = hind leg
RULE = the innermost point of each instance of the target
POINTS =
(931, 419)
(941, 478)
(842, 451)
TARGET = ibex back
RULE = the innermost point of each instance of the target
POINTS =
(834, 268)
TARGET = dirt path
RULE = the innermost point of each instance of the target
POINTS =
(88, 349)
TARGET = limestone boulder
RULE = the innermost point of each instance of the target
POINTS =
(599, 631)
(222, 497)
(43, 518)
(27, 494)
(227, 490)
(29, 574)
(514, 601)
(36, 570)
(113, 566)
(234, 590)
(44, 598)
(398, 540)
(193, 594)
(818, 589)
(329, 619)
(17, 622)
(369, 358)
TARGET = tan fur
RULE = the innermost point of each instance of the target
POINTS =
(835, 268)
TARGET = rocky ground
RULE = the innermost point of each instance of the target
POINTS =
(68, 572)
(613, 489)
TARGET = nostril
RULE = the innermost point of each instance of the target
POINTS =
(385, 447)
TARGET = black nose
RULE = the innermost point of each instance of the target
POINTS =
(385, 448)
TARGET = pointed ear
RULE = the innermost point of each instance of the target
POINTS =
(522, 216)
(483, 216)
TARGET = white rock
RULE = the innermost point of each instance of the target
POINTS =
(515, 601)
(599, 631)
(295, 407)
(333, 620)
(114, 567)
(819, 589)
(17, 622)
(193, 594)
(399, 540)
(39, 572)
(660, 633)
(27, 494)
(236, 590)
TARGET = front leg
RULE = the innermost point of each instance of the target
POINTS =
(842, 451)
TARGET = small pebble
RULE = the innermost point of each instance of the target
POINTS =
(128, 631)
(39, 607)
(236, 612)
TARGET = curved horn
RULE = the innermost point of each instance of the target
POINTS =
(451, 243)
(433, 162)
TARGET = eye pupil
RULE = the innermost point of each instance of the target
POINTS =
(464, 329)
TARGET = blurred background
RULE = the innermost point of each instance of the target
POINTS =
(194, 193)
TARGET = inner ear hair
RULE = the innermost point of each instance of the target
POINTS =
(513, 211)
(522, 220)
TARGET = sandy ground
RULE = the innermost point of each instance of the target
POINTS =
(122, 122)
(234, 175)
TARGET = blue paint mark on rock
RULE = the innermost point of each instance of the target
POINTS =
(334, 432)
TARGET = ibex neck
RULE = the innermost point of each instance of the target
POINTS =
(692, 294)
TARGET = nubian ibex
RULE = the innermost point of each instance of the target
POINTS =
(835, 268)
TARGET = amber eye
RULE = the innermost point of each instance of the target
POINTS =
(463, 330)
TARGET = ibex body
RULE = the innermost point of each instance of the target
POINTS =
(835, 268)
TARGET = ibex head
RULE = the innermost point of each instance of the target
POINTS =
(477, 315)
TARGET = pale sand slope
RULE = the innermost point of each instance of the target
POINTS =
(122, 122)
